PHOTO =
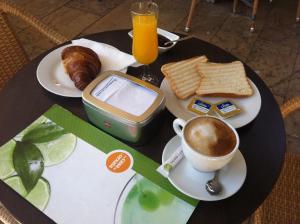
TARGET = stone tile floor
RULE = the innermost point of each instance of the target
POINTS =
(273, 50)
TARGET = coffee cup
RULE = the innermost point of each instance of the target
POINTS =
(208, 143)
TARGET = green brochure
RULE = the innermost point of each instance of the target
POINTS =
(75, 173)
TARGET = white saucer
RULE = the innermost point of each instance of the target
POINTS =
(250, 105)
(52, 76)
(192, 182)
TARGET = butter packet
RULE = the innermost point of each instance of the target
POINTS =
(200, 107)
(226, 109)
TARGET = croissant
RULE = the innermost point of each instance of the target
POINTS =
(82, 65)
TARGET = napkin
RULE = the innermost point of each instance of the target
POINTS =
(125, 95)
(111, 58)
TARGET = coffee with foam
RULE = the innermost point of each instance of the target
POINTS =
(210, 136)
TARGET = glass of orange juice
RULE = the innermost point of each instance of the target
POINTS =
(145, 46)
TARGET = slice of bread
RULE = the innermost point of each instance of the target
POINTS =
(183, 76)
(223, 80)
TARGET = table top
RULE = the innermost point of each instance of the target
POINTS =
(262, 141)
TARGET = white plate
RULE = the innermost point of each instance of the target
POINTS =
(192, 182)
(250, 105)
(167, 34)
(52, 76)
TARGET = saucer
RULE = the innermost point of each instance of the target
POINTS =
(192, 182)
(169, 35)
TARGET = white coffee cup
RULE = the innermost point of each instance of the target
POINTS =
(200, 161)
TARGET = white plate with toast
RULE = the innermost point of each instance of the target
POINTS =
(250, 105)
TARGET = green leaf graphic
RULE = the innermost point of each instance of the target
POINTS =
(28, 163)
(44, 132)
(36, 123)
(15, 183)
(40, 194)
(6, 163)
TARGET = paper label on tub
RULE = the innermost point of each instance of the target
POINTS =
(125, 95)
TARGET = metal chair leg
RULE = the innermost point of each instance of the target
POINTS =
(235, 4)
(253, 16)
(189, 20)
(298, 12)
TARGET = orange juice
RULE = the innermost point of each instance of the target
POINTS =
(144, 47)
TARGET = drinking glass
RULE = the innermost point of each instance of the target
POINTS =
(145, 46)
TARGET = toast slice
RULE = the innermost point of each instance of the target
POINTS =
(183, 76)
(223, 80)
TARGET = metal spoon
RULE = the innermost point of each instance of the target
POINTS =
(180, 39)
(213, 186)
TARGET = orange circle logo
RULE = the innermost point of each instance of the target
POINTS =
(119, 161)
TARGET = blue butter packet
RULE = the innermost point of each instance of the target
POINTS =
(226, 109)
(200, 107)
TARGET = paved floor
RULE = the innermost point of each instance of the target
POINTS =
(273, 51)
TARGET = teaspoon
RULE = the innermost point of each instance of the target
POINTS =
(180, 39)
(213, 186)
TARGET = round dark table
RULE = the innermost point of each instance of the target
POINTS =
(262, 141)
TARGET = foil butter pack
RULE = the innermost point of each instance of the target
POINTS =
(200, 107)
(226, 109)
(123, 106)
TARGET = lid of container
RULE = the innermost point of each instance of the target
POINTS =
(123, 96)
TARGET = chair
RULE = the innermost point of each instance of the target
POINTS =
(283, 204)
(235, 5)
(191, 12)
(6, 217)
(254, 12)
(12, 54)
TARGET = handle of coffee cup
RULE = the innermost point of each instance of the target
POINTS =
(178, 125)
